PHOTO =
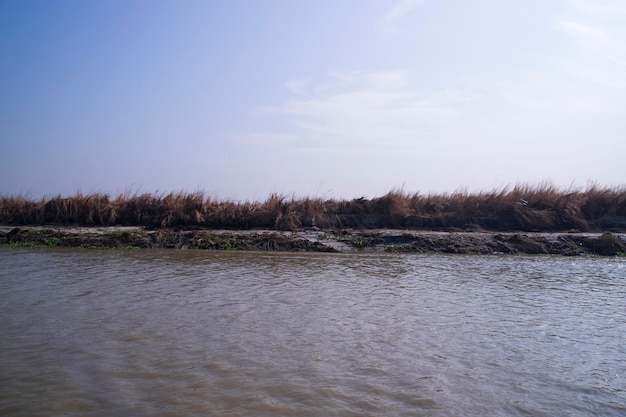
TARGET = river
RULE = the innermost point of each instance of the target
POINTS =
(208, 333)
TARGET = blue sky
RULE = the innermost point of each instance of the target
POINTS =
(336, 99)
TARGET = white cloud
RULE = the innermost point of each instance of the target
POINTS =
(371, 108)
(598, 27)
(586, 32)
(601, 76)
(390, 113)
(298, 85)
(391, 21)
(621, 61)
(373, 130)
(548, 119)
(602, 8)
(597, 24)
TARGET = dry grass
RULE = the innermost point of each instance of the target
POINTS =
(541, 207)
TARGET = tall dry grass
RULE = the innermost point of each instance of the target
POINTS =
(541, 207)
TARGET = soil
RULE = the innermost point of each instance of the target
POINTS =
(320, 240)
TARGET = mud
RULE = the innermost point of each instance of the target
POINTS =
(316, 240)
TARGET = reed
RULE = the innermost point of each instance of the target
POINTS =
(541, 207)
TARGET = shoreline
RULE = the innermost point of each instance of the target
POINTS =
(527, 208)
(319, 240)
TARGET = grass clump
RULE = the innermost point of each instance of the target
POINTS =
(541, 207)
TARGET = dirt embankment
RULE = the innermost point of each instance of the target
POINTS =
(315, 240)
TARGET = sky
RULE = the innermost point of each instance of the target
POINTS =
(324, 98)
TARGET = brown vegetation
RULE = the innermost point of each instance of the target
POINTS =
(541, 207)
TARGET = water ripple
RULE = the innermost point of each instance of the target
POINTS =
(160, 333)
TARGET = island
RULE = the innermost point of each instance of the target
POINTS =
(519, 220)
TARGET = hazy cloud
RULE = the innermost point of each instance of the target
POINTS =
(264, 138)
(298, 85)
(602, 8)
(585, 32)
(370, 107)
(602, 56)
(391, 20)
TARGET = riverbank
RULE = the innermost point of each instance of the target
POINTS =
(540, 208)
(319, 240)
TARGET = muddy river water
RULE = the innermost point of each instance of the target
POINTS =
(210, 333)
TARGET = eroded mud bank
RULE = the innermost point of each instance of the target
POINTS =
(314, 240)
